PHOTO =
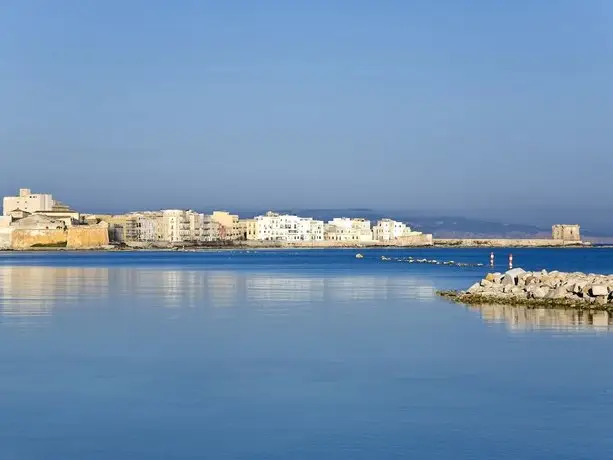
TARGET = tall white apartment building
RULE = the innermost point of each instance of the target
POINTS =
(28, 202)
(389, 230)
(284, 227)
(345, 229)
(176, 226)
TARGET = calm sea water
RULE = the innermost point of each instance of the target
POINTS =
(294, 355)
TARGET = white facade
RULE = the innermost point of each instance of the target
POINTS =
(176, 226)
(149, 226)
(276, 227)
(388, 230)
(195, 225)
(28, 202)
(345, 229)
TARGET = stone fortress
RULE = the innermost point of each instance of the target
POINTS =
(565, 232)
(38, 221)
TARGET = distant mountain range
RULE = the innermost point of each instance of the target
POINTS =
(442, 226)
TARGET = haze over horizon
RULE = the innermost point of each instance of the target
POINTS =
(498, 111)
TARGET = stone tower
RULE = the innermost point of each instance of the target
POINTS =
(566, 232)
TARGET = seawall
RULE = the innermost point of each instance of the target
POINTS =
(506, 242)
(85, 237)
(25, 238)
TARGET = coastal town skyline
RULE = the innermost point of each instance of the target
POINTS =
(489, 222)
(30, 219)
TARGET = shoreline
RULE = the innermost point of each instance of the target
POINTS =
(259, 247)
(460, 297)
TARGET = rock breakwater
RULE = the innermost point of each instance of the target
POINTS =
(552, 289)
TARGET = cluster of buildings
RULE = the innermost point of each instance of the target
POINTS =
(187, 226)
(177, 226)
(33, 219)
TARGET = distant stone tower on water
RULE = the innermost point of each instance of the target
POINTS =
(566, 232)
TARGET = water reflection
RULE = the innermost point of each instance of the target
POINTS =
(522, 318)
(30, 291)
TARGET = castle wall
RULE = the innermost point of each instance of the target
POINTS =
(566, 232)
(24, 238)
(87, 237)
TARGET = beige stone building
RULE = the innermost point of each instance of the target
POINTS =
(391, 230)
(248, 229)
(210, 230)
(39, 222)
(349, 230)
(566, 232)
(28, 202)
(230, 227)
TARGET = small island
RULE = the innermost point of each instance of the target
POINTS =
(539, 289)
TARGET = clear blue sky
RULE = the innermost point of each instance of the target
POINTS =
(449, 105)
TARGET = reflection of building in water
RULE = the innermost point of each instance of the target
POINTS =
(225, 288)
(378, 287)
(517, 317)
(283, 288)
(29, 291)
(34, 291)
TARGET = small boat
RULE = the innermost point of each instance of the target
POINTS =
(359, 256)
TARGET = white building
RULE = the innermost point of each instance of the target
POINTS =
(28, 202)
(176, 226)
(389, 230)
(149, 227)
(345, 229)
(289, 228)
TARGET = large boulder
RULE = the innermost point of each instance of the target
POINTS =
(515, 272)
(474, 288)
(530, 279)
(508, 280)
(539, 293)
(598, 290)
(557, 293)
(579, 287)
(601, 300)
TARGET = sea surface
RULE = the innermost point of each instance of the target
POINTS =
(298, 354)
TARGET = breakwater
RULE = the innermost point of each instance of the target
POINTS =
(506, 243)
(543, 289)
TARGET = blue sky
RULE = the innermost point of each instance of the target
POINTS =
(489, 108)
